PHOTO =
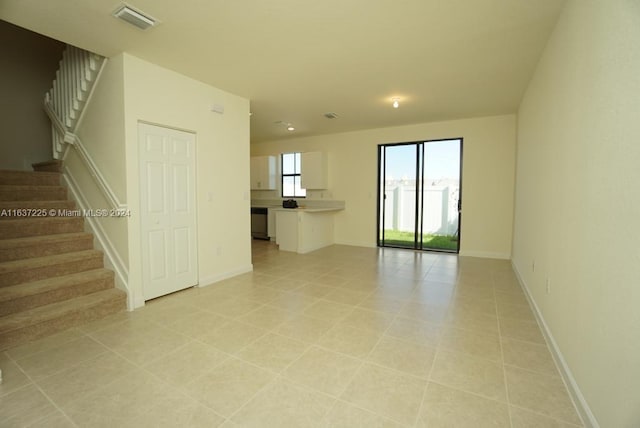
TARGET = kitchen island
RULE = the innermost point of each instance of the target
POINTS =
(303, 230)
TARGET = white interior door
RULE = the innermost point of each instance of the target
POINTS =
(168, 210)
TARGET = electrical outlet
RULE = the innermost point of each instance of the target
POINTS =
(548, 286)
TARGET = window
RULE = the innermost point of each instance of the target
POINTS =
(291, 176)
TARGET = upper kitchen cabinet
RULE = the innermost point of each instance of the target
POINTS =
(313, 170)
(263, 173)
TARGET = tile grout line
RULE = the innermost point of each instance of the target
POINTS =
(504, 369)
(280, 376)
(362, 362)
(546, 416)
(324, 417)
(433, 363)
(366, 360)
(277, 375)
(39, 388)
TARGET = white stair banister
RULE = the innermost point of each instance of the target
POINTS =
(64, 104)
(67, 97)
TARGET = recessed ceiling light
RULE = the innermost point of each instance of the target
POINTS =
(134, 17)
(396, 102)
(287, 125)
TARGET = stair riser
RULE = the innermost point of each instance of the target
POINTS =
(33, 332)
(37, 297)
(48, 166)
(53, 194)
(50, 249)
(40, 227)
(53, 296)
(29, 179)
(42, 272)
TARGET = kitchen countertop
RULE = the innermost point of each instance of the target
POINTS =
(309, 205)
(309, 210)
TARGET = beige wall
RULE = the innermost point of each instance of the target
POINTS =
(28, 64)
(102, 126)
(102, 134)
(488, 175)
(578, 204)
(159, 96)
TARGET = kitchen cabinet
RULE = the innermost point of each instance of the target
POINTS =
(304, 230)
(314, 170)
(263, 173)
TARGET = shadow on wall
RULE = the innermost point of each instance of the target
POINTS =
(28, 62)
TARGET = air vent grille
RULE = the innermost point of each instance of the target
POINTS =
(133, 17)
(330, 115)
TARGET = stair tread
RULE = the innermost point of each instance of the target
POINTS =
(22, 221)
(45, 313)
(33, 212)
(54, 165)
(32, 192)
(50, 280)
(7, 207)
(42, 239)
(20, 171)
(13, 228)
(28, 186)
(8, 177)
(26, 173)
(47, 260)
(34, 204)
(44, 285)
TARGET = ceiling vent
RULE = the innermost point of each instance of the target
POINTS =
(134, 17)
(330, 115)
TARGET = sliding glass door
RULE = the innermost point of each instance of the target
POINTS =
(419, 195)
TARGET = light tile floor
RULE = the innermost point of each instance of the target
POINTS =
(342, 337)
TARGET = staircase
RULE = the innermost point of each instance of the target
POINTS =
(71, 90)
(51, 278)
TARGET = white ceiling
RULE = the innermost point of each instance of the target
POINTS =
(298, 59)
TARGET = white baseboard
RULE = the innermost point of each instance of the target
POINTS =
(356, 244)
(212, 279)
(112, 258)
(482, 254)
(485, 255)
(306, 250)
(588, 418)
(136, 302)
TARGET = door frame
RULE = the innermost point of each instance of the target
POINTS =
(418, 210)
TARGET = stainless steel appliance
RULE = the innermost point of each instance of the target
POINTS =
(259, 225)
